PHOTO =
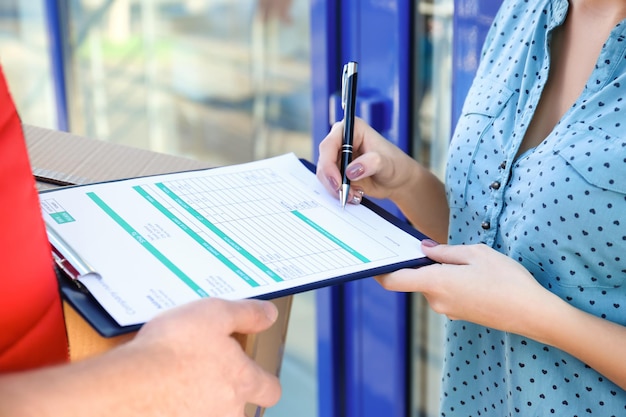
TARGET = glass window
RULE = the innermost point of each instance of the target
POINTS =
(25, 61)
(224, 81)
(433, 86)
(212, 79)
(432, 130)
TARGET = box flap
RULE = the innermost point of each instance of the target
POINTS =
(63, 158)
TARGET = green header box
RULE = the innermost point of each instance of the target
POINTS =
(62, 217)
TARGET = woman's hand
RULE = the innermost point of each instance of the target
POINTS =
(477, 284)
(378, 169)
(382, 170)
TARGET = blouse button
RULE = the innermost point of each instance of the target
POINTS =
(503, 165)
(485, 225)
(495, 185)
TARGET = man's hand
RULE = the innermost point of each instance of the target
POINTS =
(184, 362)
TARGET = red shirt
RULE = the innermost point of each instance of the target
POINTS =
(32, 329)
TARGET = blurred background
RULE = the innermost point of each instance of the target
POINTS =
(220, 80)
(223, 81)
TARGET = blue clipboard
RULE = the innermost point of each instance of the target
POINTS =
(89, 308)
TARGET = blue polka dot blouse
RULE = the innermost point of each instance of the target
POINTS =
(559, 209)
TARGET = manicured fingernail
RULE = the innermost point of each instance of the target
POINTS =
(333, 183)
(355, 171)
(429, 243)
(357, 197)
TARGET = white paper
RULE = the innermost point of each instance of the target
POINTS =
(235, 232)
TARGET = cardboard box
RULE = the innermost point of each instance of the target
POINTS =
(59, 158)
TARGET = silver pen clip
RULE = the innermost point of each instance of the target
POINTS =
(344, 87)
(67, 258)
(349, 70)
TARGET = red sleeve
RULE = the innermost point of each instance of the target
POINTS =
(32, 330)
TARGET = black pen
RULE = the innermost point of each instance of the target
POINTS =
(348, 103)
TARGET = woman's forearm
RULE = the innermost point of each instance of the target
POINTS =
(423, 201)
(595, 341)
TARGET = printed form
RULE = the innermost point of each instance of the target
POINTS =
(240, 231)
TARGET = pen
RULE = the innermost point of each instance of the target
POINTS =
(348, 103)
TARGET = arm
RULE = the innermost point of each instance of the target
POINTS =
(183, 363)
(381, 170)
(468, 285)
(275, 8)
(597, 342)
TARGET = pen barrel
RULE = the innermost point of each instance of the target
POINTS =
(346, 158)
(348, 128)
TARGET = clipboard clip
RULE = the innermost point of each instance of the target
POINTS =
(67, 259)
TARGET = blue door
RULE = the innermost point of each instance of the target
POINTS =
(362, 329)
(366, 336)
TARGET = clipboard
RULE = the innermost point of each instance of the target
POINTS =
(70, 268)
